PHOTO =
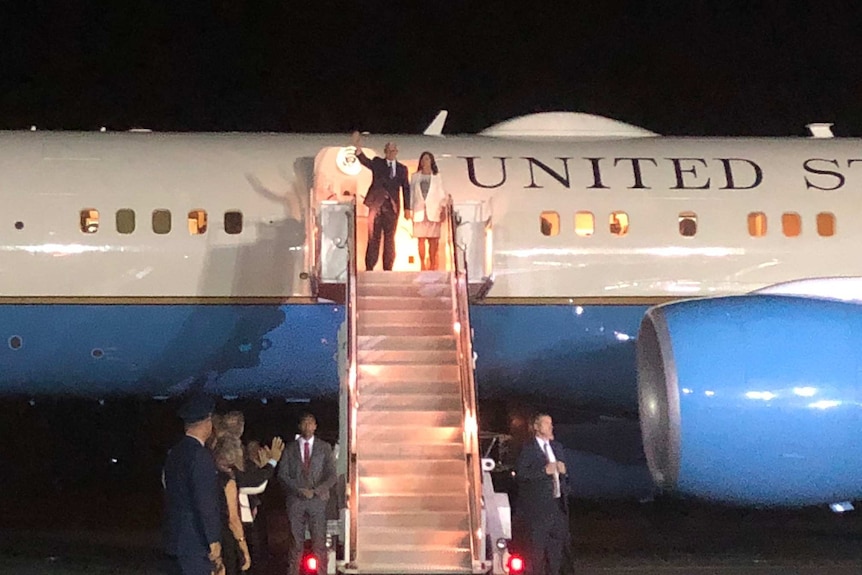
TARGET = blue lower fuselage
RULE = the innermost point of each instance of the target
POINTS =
(577, 363)
(563, 353)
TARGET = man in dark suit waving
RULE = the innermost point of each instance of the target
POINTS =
(193, 497)
(543, 509)
(307, 473)
(389, 182)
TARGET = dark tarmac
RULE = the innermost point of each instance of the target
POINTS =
(662, 537)
(81, 493)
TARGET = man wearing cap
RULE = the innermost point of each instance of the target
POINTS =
(192, 495)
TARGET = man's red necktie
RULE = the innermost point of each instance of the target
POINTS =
(306, 455)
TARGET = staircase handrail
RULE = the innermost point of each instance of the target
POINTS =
(460, 302)
(352, 483)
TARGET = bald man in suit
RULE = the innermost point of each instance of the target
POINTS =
(389, 183)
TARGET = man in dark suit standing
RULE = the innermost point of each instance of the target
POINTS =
(389, 182)
(192, 495)
(543, 509)
(307, 473)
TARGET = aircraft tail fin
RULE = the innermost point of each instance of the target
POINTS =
(435, 128)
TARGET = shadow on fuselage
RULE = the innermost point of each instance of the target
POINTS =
(255, 277)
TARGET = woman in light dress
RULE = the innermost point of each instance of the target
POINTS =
(428, 204)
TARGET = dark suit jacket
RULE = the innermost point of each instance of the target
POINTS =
(193, 499)
(252, 475)
(320, 476)
(384, 187)
(535, 487)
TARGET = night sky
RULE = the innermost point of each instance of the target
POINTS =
(680, 68)
(727, 68)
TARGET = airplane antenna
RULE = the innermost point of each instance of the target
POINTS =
(435, 128)
(820, 130)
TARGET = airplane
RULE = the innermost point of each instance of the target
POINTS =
(616, 273)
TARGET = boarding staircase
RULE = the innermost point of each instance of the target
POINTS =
(414, 480)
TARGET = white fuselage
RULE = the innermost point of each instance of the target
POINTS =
(274, 180)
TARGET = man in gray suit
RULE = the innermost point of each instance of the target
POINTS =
(307, 473)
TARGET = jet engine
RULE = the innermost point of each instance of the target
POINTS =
(754, 399)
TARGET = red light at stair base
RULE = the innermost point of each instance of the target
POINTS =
(516, 565)
(310, 564)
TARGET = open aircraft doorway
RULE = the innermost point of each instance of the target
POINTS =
(339, 177)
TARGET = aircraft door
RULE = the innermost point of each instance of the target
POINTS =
(475, 248)
(333, 231)
(338, 179)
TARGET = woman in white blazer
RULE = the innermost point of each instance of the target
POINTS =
(428, 204)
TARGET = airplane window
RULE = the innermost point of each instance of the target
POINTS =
(89, 221)
(233, 222)
(826, 224)
(197, 222)
(125, 220)
(757, 224)
(161, 221)
(585, 223)
(619, 223)
(687, 224)
(791, 224)
(550, 223)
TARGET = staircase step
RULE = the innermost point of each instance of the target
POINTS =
(367, 452)
(411, 342)
(382, 431)
(413, 317)
(453, 485)
(447, 520)
(413, 502)
(412, 356)
(408, 373)
(411, 402)
(409, 434)
(424, 418)
(403, 560)
(377, 302)
(377, 537)
(405, 291)
(374, 386)
(394, 467)
(405, 330)
(381, 277)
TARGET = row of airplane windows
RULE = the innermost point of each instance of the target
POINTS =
(618, 224)
(161, 221)
(550, 223)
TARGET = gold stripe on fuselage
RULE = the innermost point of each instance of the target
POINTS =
(303, 300)
(154, 300)
(578, 300)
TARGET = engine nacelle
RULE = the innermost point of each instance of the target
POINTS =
(753, 399)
